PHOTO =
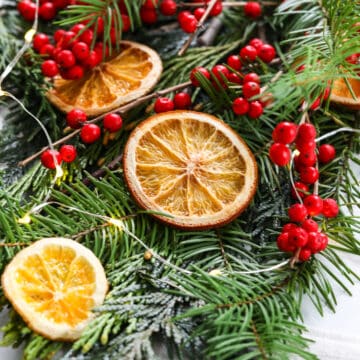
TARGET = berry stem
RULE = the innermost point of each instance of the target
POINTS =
(187, 43)
(295, 258)
(121, 109)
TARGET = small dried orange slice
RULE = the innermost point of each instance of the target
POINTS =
(115, 82)
(54, 284)
(341, 94)
(191, 167)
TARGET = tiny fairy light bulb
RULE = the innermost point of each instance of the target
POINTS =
(29, 35)
(116, 222)
(26, 219)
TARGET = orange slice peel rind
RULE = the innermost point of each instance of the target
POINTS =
(54, 284)
(342, 96)
(190, 166)
(119, 80)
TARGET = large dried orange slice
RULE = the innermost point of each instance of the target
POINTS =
(54, 284)
(191, 167)
(117, 81)
(341, 94)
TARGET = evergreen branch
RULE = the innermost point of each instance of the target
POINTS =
(122, 109)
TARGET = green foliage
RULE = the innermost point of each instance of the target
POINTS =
(203, 293)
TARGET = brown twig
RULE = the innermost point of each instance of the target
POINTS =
(187, 43)
(121, 109)
(295, 258)
(258, 340)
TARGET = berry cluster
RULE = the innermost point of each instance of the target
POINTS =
(47, 9)
(70, 55)
(182, 100)
(235, 73)
(89, 134)
(304, 237)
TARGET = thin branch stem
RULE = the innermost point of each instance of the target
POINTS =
(122, 109)
(200, 24)
(228, 4)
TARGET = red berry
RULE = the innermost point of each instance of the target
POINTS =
(68, 40)
(298, 236)
(39, 41)
(251, 77)
(256, 43)
(316, 104)
(112, 122)
(148, 16)
(304, 254)
(68, 153)
(81, 50)
(252, 9)
(301, 188)
(297, 212)
(199, 13)
(306, 145)
(183, 15)
(324, 240)
(182, 100)
(90, 133)
(279, 154)
(307, 158)
(240, 106)
(221, 72)
(126, 23)
(150, 4)
(163, 104)
(189, 24)
(202, 72)
(77, 28)
(93, 59)
(267, 53)
(66, 58)
(250, 89)
(50, 158)
(248, 53)
(289, 226)
(75, 118)
(73, 73)
(99, 49)
(99, 25)
(310, 225)
(47, 11)
(314, 204)
(326, 153)
(217, 9)
(60, 4)
(256, 109)
(49, 68)
(58, 35)
(283, 242)
(309, 175)
(168, 7)
(330, 208)
(314, 242)
(47, 50)
(306, 132)
(87, 36)
(233, 78)
(27, 10)
(284, 132)
(234, 62)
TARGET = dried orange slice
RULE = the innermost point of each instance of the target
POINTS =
(191, 167)
(341, 94)
(117, 81)
(54, 284)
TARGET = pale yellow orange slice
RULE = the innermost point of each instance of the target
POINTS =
(121, 79)
(191, 167)
(54, 284)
